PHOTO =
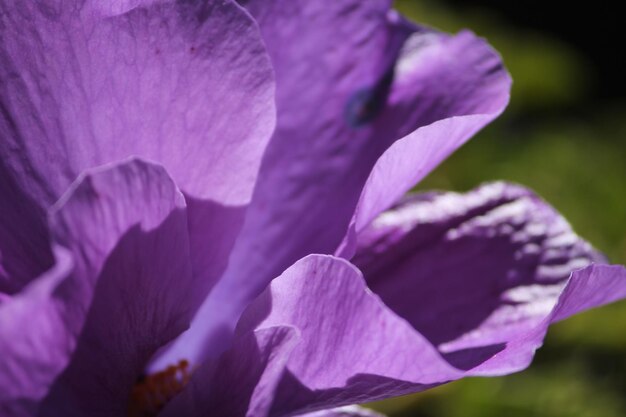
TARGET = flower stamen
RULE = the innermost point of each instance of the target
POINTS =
(151, 393)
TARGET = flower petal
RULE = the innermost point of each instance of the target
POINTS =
(242, 381)
(480, 92)
(187, 84)
(356, 349)
(352, 349)
(591, 287)
(348, 59)
(126, 229)
(471, 271)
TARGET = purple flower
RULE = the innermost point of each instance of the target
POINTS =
(162, 162)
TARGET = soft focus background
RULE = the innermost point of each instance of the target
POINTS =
(564, 135)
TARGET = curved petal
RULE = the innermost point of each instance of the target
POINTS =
(591, 287)
(347, 89)
(134, 214)
(403, 165)
(356, 349)
(482, 96)
(352, 349)
(187, 84)
(470, 271)
(242, 381)
(126, 230)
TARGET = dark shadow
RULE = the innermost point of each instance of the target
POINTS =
(213, 231)
(447, 287)
(466, 359)
(225, 386)
(25, 251)
(294, 398)
(138, 305)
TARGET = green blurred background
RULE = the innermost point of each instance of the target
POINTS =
(564, 135)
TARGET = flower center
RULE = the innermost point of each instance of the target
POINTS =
(151, 393)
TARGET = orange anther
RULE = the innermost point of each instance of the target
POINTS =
(153, 392)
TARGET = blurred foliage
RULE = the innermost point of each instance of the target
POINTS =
(571, 149)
